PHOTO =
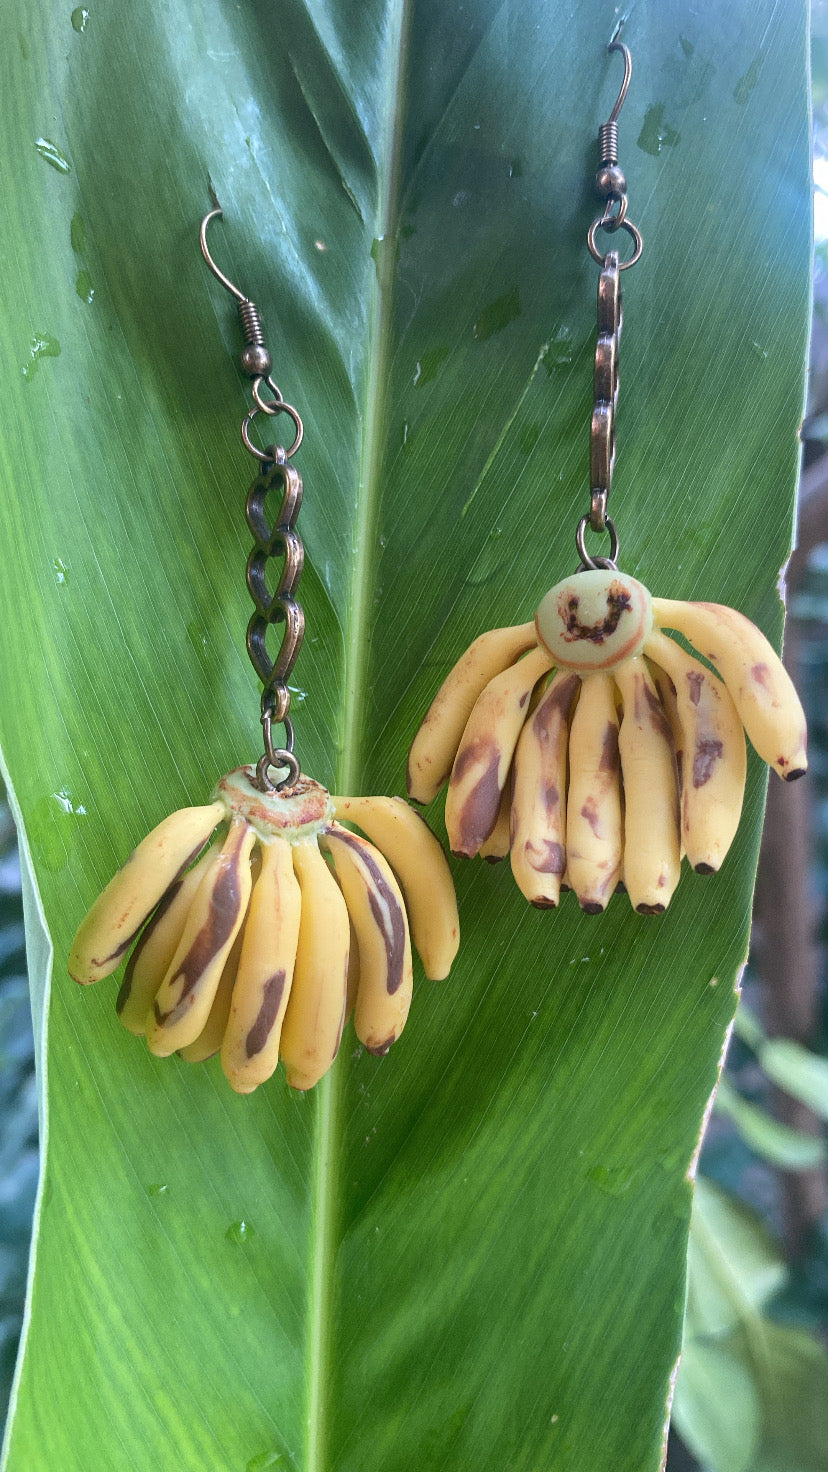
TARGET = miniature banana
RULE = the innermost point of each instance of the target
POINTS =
(594, 824)
(761, 687)
(419, 863)
(156, 946)
(538, 850)
(484, 756)
(377, 912)
(315, 1016)
(434, 747)
(648, 767)
(116, 917)
(186, 994)
(250, 1050)
(714, 763)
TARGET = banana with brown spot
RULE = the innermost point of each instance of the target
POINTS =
(250, 1050)
(116, 917)
(377, 911)
(186, 994)
(435, 745)
(648, 768)
(417, 858)
(157, 944)
(484, 757)
(594, 823)
(315, 1016)
(714, 764)
(755, 676)
(538, 851)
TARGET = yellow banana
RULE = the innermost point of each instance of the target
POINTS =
(496, 846)
(648, 767)
(761, 687)
(594, 824)
(157, 944)
(714, 762)
(377, 910)
(435, 745)
(131, 895)
(417, 858)
(186, 994)
(484, 757)
(538, 851)
(667, 695)
(250, 1051)
(208, 1042)
(315, 1017)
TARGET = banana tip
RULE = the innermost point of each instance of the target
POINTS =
(797, 772)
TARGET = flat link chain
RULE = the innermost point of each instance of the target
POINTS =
(605, 383)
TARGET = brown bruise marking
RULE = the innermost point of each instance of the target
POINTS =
(658, 717)
(379, 1050)
(610, 759)
(125, 944)
(590, 812)
(759, 673)
(272, 994)
(556, 701)
(390, 922)
(551, 798)
(708, 752)
(524, 698)
(618, 602)
(695, 680)
(478, 812)
(214, 933)
(163, 906)
(546, 857)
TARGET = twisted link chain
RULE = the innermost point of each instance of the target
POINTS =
(611, 185)
(278, 538)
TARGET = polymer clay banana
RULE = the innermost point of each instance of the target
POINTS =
(650, 763)
(260, 947)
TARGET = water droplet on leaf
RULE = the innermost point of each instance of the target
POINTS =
(52, 154)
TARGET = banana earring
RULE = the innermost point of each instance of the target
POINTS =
(244, 939)
(587, 744)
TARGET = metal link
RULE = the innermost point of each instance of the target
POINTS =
(589, 562)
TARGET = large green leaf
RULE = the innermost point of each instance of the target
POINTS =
(469, 1254)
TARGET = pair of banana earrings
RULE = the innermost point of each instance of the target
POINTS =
(586, 744)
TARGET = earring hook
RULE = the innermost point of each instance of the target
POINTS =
(619, 102)
(217, 214)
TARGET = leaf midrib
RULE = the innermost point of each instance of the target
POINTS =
(355, 669)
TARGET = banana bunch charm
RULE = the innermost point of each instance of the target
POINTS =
(595, 751)
(253, 945)
(259, 922)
